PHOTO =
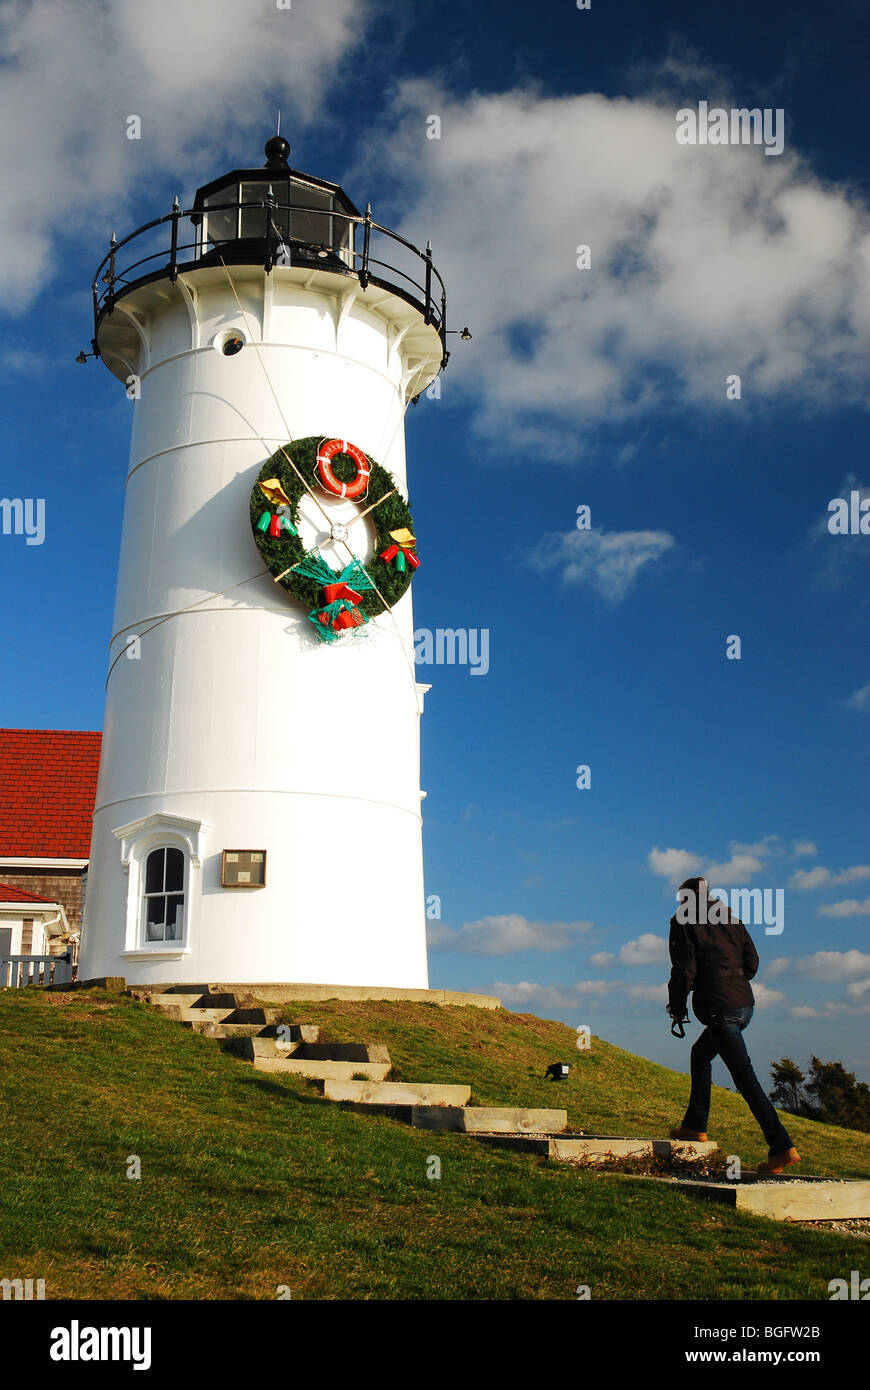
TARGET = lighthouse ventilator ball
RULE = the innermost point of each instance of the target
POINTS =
(339, 600)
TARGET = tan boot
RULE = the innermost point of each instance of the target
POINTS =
(694, 1135)
(776, 1162)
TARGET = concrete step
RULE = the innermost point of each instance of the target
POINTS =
(323, 1071)
(601, 1148)
(365, 1094)
(486, 1119)
(171, 1001)
(195, 1015)
(301, 1047)
(783, 1199)
(249, 1023)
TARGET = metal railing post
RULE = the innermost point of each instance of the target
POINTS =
(173, 250)
(367, 233)
(427, 317)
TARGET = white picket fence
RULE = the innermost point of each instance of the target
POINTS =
(18, 971)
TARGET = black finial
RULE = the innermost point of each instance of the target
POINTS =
(276, 151)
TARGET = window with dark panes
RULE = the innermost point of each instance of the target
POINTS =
(164, 895)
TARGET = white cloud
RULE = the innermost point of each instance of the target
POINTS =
(609, 561)
(802, 847)
(807, 879)
(765, 997)
(651, 994)
(699, 260)
(778, 966)
(857, 989)
(534, 998)
(675, 864)
(849, 907)
(502, 936)
(740, 868)
(834, 965)
(859, 699)
(194, 73)
(805, 1011)
(602, 960)
(648, 949)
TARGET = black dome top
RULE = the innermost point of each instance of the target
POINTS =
(276, 151)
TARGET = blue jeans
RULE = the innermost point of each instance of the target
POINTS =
(724, 1037)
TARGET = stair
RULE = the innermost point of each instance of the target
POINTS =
(600, 1148)
(488, 1119)
(386, 1095)
(252, 1034)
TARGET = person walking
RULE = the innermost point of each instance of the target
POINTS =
(713, 959)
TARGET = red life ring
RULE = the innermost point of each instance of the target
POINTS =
(326, 453)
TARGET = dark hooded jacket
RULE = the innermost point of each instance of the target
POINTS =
(713, 961)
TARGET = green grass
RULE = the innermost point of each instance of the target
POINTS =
(250, 1182)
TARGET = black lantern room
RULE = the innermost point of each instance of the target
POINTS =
(301, 217)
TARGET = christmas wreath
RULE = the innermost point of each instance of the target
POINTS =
(338, 599)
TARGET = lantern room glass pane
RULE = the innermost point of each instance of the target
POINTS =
(305, 224)
(253, 222)
(221, 226)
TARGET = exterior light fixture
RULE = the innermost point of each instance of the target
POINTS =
(557, 1071)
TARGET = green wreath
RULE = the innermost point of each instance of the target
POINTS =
(282, 554)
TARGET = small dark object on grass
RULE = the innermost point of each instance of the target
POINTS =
(557, 1071)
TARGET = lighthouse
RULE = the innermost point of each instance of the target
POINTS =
(258, 812)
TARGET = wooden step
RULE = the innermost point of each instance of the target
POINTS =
(601, 1148)
(783, 1199)
(390, 1093)
(248, 1023)
(302, 1046)
(323, 1071)
(172, 1001)
(196, 1015)
(488, 1119)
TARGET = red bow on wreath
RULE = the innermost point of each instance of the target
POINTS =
(401, 552)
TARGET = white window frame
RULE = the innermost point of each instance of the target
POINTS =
(138, 839)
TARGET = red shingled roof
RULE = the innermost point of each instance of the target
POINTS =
(8, 894)
(48, 784)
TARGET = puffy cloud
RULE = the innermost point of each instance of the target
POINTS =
(534, 998)
(778, 966)
(675, 864)
(651, 994)
(602, 960)
(699, 259)
(648, 949)
(765, 997)
(849, 907)
(807, 879)
(857, 989)
(74, 73)
(745, 862)
(740, 868)
(608, 561)
(859, 699)
(803, 847)
(834, 965)
(502, 936)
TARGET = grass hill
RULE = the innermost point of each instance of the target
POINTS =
(249, 1181)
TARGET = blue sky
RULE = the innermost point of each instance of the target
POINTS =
(602, 387)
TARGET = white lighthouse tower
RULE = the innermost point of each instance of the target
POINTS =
(258, 815)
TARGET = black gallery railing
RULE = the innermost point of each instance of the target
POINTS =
(276, 246)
